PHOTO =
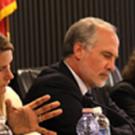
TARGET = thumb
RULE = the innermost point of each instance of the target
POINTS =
(9, 106)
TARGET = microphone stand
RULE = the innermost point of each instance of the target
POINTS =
(89, 98)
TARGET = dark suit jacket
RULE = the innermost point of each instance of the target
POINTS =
(123, 94)
(58, 81)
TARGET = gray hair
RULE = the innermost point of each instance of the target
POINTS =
(84, 31)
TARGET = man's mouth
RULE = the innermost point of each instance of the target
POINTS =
(105, 76)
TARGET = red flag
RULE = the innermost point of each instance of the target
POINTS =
(7, 7)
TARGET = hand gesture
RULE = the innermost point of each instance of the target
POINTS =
(27, 118)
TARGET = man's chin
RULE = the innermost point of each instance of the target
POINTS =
(101, 84)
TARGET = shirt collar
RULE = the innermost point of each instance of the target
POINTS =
(79, 81)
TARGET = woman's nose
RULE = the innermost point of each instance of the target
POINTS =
(9, 74)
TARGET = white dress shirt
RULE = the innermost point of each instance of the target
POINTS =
(79, 81)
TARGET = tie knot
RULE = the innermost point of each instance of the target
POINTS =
(89, 94)
(88, 99)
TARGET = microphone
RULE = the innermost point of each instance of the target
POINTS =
(89, 101)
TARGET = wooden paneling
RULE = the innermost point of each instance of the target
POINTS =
(38, 27)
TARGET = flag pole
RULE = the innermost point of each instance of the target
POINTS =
(8, 28)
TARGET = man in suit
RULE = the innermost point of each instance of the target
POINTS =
(89, 53)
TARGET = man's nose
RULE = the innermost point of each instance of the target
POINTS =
(111, 65)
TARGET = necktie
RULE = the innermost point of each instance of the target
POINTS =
(88, 99)
(89, 95)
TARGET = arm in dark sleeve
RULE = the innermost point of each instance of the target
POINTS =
(120, 122)
(124, 96)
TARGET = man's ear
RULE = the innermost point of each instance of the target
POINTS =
(77, 50)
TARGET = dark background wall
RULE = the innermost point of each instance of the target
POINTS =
(38, 27)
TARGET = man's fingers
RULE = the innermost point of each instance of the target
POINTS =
(49, 115)
(39, 101)
(47, 107)
(45, 131)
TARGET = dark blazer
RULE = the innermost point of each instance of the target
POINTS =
(58, 81)
(123, 93)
